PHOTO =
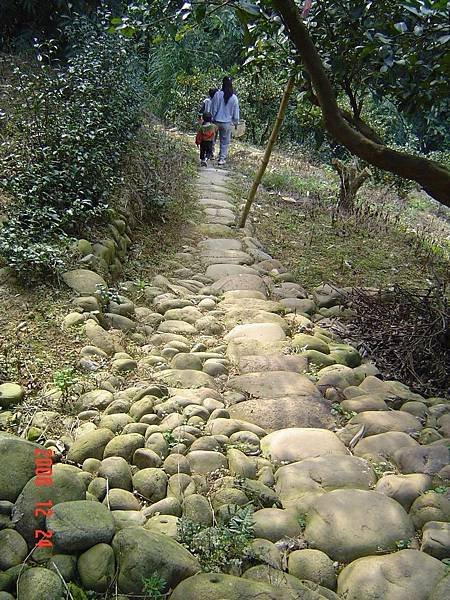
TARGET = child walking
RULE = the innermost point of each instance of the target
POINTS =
(205, 138)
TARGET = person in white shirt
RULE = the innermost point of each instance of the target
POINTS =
(225, 112)
(205, 106)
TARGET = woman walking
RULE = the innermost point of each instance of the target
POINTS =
(225, 112)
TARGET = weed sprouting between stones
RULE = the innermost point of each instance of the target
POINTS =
(154, 586)
(337, 410)
(221, 547)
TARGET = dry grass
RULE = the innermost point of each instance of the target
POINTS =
(382, 244)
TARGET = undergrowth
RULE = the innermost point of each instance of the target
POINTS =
(296, 219)
(65, 128)
(220, 548)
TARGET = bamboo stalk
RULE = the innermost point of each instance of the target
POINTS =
(268, 151)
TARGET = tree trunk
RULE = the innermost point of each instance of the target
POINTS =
(268, 151)
(434, 178)
(351, 180)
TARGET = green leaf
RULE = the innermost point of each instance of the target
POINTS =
(200, 13)
(401, 27)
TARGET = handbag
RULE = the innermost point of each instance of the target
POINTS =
(238, 131)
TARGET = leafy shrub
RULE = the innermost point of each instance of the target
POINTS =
(65, 129)
(154, 587)
(156, 170)
(222, 547)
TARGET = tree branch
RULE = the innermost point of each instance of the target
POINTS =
(434, 178)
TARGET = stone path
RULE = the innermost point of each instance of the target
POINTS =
(238, 394)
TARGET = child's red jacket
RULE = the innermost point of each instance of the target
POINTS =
(206, 133)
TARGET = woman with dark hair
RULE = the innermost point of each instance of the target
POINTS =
(225, 112)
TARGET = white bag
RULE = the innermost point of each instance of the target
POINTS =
(238, 131)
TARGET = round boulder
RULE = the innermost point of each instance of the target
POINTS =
(273, 524)
(17, 465)
(96, 567)
(13, 549)
(404, 575)
(139, 553)
(348, 524)
(38, 583)
(79, 525)
(313, 565)
(296, 443)
(10, 394)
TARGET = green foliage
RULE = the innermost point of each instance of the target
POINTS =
(394, 50)
(337, 410)
(77, 593)
(403, 544)
(64, 131)
(154, 587)
(222, 547)
(301, 520)
(156, 170)
(107, 295)
(25, 20)
(64, 379)
(382, 468)
(280, 180)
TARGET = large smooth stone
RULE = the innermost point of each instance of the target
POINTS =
(96, 567)
(404, 575)
(190, 314)
(65, 488)
(274, 362)
(140, 553)
(281, 412)
(296, 443)
(14, 549)
(17, 465)
(436, 539)
(216, 586)
(124, 445)
(248, 316)
(241, 347)
(185, 378)
(178, 327)
(10, 394)
(422, 459)
(303, 342)
(273, 524)
(322, 474)
(348, 524)
(262, 332)
(99, 337)
(384, 445)
(79, 525)
(83, 281)
(204, 461)
(238, 266)
(95, 399)
(38, 583)
(240, 282)
(90, 445)
(376, 422)
(217, 244)
(404, 488)
(222, 426)
(290, 585)
(226, 257)
(275, 384)
(313, 565)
